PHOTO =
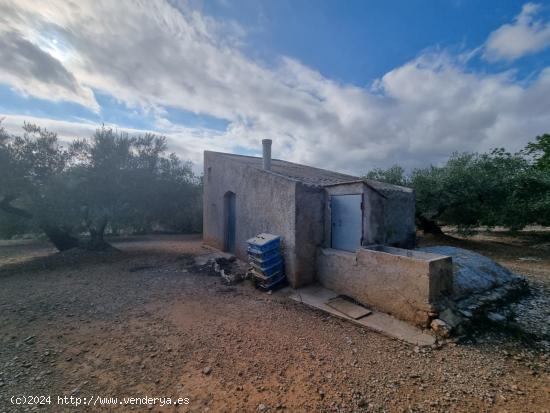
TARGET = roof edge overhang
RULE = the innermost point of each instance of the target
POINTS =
(358, 181)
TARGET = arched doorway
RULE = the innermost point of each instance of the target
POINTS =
(229, 227)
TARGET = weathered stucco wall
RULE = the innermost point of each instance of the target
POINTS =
(400, 228)
(404, 283)
(268, 202)
(375, 210)
(309, 231)
(265, 202)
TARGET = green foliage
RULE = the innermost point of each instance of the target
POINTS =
(30, 179)
(490, 189)
(12, 226)
(394, 175)
(110, 181)
(540, 151)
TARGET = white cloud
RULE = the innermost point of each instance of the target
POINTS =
(188, 143)
(160, 55)
(31, 70)
(526, 35)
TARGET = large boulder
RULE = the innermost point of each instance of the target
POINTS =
(480, 287)
(474, 273)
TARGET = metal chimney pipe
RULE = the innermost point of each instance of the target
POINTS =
(266, 144)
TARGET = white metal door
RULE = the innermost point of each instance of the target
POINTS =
(346, 222)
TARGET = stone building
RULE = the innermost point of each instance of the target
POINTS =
(308, 207)
(347, 235)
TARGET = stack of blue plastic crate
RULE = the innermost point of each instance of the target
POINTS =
(264, 255)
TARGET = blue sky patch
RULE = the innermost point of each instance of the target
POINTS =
(341, 85)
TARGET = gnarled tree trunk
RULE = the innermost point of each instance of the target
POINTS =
(97, 241)
(428, 226)
(60, 238)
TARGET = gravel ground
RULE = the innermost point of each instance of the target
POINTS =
(140, 323)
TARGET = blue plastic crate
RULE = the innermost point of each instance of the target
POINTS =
(269, 271)
(264, 242)
(265, 263)
(261, 277)
(263, 256)
(272, 282)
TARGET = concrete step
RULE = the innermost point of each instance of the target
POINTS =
(317, 297)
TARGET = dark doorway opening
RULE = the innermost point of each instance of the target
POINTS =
(229, 230)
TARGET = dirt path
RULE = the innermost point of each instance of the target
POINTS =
(139, 323)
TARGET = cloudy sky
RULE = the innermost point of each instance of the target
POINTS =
(345, 85)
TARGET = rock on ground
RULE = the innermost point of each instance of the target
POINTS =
(482, 292)
(474, 273)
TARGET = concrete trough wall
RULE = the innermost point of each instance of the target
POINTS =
(407, 284)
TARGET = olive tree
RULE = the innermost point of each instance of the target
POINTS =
(490, 189)
(109, 181)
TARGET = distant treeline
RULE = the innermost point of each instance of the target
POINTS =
(108, 184)
(113, 183)
(480, 190)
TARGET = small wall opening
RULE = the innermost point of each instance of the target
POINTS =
(230, 226)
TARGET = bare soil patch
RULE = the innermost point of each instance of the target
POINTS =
(142, 323)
